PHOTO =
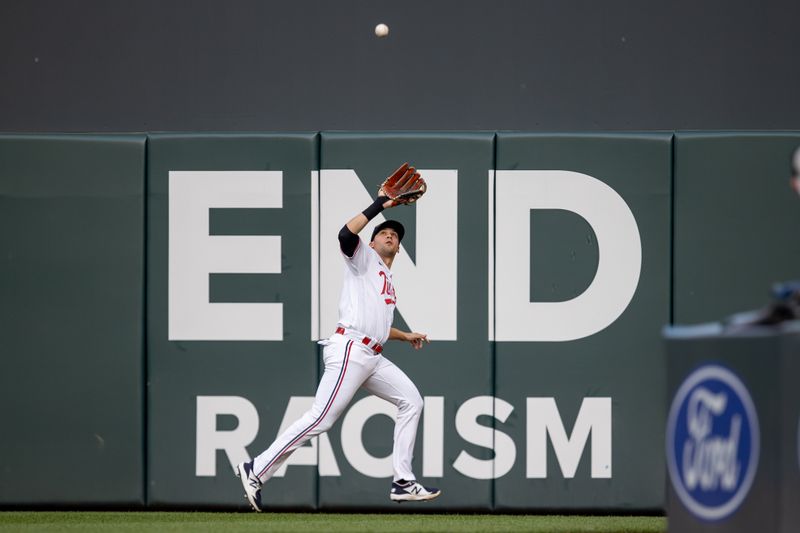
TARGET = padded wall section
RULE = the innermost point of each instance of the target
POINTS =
(229, 311)
(582, 233)
(441, 281)
(71, 331)
(736, 222)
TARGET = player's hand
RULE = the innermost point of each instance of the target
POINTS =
(388, 202)
(405, 186)
(417, 340)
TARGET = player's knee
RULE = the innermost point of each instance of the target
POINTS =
(325, 424)
(413, 405)
(322, 427)
(314, 418)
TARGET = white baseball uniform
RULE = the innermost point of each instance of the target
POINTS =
(353, 359)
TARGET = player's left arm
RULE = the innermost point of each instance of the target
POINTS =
(404, 186)
(417, 340)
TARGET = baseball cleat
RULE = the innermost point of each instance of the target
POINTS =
(411, 491)
(251, 484)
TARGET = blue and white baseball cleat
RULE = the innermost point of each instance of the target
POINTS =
(251, 484)
(411, 491)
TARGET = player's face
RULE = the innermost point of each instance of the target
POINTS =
(796, 184)
(386, 242)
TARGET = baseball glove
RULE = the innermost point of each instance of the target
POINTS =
(404, 186)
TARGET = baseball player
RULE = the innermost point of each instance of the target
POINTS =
(353, 354)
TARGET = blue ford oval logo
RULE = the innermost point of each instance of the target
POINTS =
(712, 442)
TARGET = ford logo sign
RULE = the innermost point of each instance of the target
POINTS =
(712, 442)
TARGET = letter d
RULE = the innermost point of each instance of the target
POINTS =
(619, 262)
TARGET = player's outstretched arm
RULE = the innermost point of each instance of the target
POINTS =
(358, 222)
(417, 340)
(348, 235)
(404, 186)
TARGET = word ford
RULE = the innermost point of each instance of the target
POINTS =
(710, 462)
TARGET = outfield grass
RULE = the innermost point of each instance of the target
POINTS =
(323, 522)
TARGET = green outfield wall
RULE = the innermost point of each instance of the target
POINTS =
(162, 296)
(72, 280)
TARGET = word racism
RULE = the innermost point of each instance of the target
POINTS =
(543, 419)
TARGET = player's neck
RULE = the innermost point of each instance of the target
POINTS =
(387, 260)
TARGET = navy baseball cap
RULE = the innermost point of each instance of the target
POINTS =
(393, 224)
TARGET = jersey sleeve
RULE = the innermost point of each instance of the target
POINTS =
(355, 252)
(360, 258)
(347, 241)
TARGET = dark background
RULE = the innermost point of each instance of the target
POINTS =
(247, 65)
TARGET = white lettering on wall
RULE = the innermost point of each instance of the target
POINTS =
(234, 442)
(544, 419)
(433, 437)
(194, 254)
(618, 268)
(431, 277)
(505, 453)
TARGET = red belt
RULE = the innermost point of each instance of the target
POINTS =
(376, 346)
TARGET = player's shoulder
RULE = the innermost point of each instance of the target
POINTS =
(359, 249)
(362, 257)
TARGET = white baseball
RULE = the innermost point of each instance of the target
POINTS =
(381, 30)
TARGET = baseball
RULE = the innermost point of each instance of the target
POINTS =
(381, 30)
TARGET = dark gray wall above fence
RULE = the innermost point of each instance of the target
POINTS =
(206, 65)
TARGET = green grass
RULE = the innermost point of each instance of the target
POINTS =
(323, 522)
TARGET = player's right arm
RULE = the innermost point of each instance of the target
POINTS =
(405, 183)
(417, 340)
(348, 235)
